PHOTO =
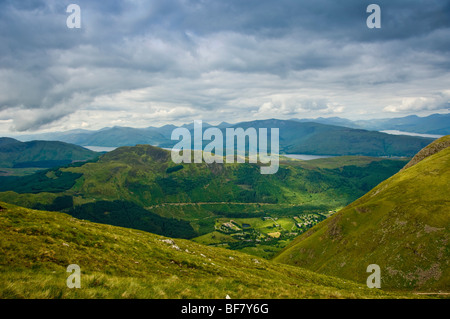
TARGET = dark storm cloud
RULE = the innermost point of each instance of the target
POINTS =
(168, 60)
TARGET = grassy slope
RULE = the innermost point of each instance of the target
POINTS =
(402, 225)
(37, 246)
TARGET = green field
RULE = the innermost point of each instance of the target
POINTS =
(260, 236)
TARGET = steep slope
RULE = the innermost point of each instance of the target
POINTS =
(429, 150)
(16, 154)
(37, 246)
(402, 225)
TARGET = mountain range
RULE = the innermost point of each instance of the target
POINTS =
(296, 137)
(437, 124)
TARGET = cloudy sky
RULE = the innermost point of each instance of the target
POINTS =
(148, 63)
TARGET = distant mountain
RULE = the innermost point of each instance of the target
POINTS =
(438, 124)
(296, 137)
(65, 136)
(110, 136)
(123, 136)
(114, 136)
(321, 139)
(338, 121)
(44, 154)
(402, 225)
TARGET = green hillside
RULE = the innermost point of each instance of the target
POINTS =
(140, 187)
(40, 154)
(37, 246)
(402, 225)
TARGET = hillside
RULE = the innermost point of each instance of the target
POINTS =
(37, 246)
(140, 187)
(42, 154)
(402, 225)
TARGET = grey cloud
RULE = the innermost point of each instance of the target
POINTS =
(200, 57)
(436, 102)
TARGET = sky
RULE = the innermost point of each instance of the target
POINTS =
(149, 63)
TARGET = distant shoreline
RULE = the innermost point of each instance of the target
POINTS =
(396, 132)
(100, 148)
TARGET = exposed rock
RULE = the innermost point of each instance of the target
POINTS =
(429, 150)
